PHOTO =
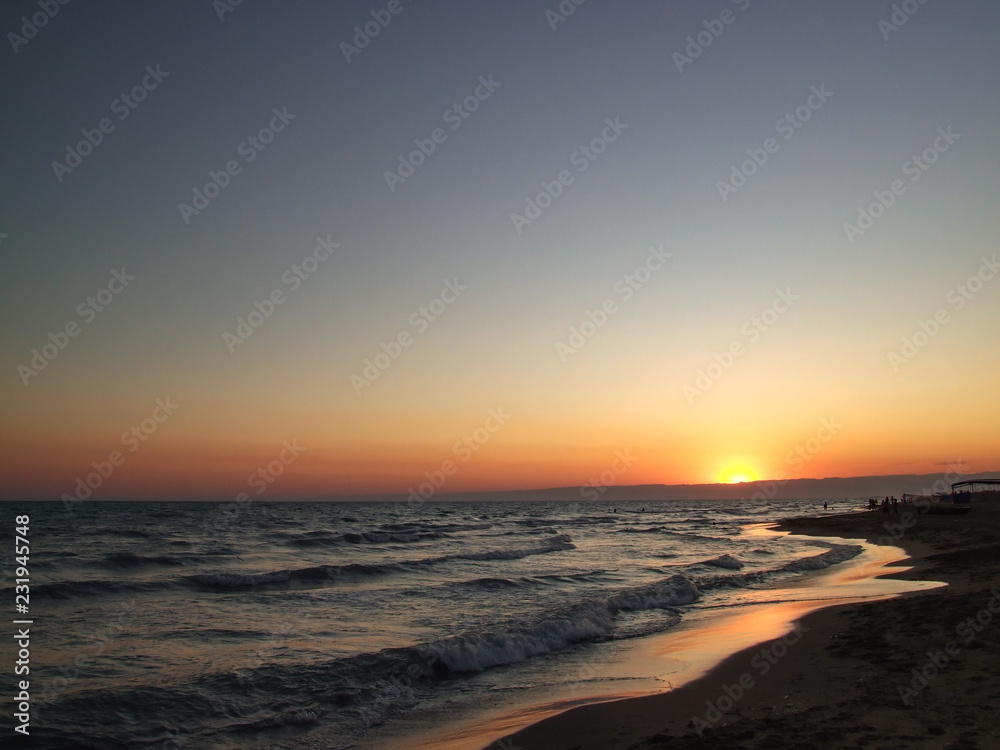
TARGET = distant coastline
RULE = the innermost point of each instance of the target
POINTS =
(830, 488)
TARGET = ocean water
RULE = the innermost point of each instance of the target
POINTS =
(201, 625)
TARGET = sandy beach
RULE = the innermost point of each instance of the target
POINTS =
(918, 671)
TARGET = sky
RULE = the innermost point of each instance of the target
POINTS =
(276, 250)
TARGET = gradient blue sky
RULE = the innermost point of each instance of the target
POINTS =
(495, 346)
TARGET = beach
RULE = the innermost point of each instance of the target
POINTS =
(203, 625)
(648, 625)
(921, 670)
(499, 376)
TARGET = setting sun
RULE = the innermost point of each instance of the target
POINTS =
(736, 474)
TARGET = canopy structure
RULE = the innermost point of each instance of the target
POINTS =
(976, 485)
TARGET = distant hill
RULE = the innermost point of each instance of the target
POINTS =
(820, 489)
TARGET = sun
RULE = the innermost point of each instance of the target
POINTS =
(737, 474)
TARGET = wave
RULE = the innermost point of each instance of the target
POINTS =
(137, 533)
(491, 584)
(309, 577)
(426, 526)
(383, 537)
(590, 621)
(98, 587)
(734, 581)
(587, 621)
(724, 561)
(354, 693)
(130, 560)
(324, 574)
(558, 543)
(388, 533)
(837, 553)
(547, 579)
(661, 529)
(328, 539)
(292, 718)
(582, 521)
(589, 576)
(633, 530)
(478, 651)
(215, 634)
(236, 581)
(686, 536)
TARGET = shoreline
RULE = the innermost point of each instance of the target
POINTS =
(841, 680)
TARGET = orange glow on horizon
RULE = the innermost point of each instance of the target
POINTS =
(737, 474)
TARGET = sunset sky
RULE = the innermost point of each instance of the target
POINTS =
(744, 329)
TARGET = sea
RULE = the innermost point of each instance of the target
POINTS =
(317, 624)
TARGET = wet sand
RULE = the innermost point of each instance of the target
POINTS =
(918, 671)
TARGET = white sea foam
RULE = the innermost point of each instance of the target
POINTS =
(590, 621)
(837, 553)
